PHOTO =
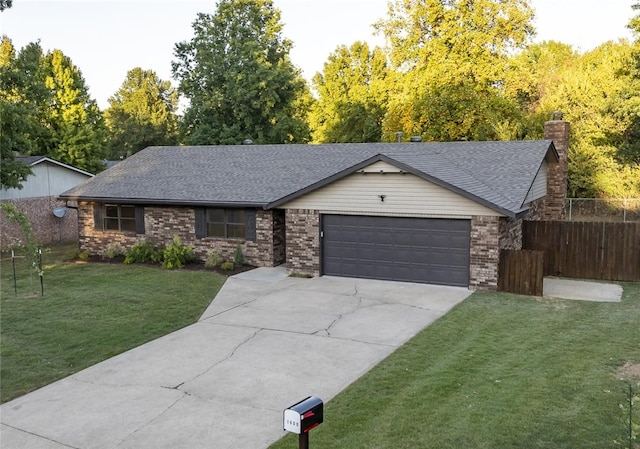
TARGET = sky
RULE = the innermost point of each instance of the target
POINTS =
(107, 38)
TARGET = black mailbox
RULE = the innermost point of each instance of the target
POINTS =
(303, 416)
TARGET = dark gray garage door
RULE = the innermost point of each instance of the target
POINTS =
(427, 250)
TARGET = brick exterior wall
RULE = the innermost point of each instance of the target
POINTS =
(94, 241)
(485, 252)
(163, 223)
(554, 206)
(46, 227)
(536, 210)
(279, 238)
(270, 237)
(303, 241)
(510, 233)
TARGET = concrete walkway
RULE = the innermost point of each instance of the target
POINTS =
(264, 343)
(581, 290)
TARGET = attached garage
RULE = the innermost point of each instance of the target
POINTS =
(424, 250)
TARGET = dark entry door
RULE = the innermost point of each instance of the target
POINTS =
(425, 250)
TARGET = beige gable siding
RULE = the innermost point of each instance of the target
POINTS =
(404, 194)
(380, 166)
(539, 185)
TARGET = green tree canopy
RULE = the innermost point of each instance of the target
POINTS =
(238, 78)
(627, 108)
(352, 96)
(79, 133)
(141, 113)
(46, 111)
(445, 42)
(535, 71)
(588, 87)
(452, 57)
(19, 94)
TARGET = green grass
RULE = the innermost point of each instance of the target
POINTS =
(89, 312)
(499, 371)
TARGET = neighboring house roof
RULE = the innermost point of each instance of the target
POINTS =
(48, 178)
(110, 164)
(496, 174)
(35, 160)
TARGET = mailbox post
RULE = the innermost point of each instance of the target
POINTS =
(303, 416)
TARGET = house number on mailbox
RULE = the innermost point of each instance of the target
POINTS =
(303, 416)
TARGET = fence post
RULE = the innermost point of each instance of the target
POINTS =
(15, 281)
(570, 207)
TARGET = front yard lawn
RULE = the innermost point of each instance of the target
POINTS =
(499, 371)
(89, 312)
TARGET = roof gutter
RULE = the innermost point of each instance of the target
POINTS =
(163, 202)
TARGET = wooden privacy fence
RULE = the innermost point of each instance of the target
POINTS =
(521, 272)
(586, 250)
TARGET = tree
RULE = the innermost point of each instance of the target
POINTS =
(536, 71)
(628, 106)
(46, 110)
(79, 132)
(456, 40)
(141, 113)
(352, 93)
(18, 110)
(452, 57)
(239, 80)
(588, 90)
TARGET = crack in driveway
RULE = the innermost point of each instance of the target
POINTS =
(356, 307)
(155, 418)
(228, 357)
(40, 436)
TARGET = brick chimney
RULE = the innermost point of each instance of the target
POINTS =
(556, 130)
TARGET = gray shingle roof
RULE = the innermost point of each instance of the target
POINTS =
(498, 174)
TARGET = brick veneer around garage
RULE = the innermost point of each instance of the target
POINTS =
(484, 252)
(303, 241)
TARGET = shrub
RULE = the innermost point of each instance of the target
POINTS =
(83, 256)
(113, 251)
(238, 257)
(177, 254)
(143, 252)
(213, 259)
(227, 266)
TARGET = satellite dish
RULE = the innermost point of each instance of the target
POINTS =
(60, 212)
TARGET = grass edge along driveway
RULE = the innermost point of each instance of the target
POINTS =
(89, 312)
(498, 371)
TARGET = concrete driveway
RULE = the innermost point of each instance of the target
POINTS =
(264, 343)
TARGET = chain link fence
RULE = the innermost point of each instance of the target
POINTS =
(600, 209)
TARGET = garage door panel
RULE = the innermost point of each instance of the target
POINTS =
(397, 248)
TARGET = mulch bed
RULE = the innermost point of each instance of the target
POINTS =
(197, 266)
